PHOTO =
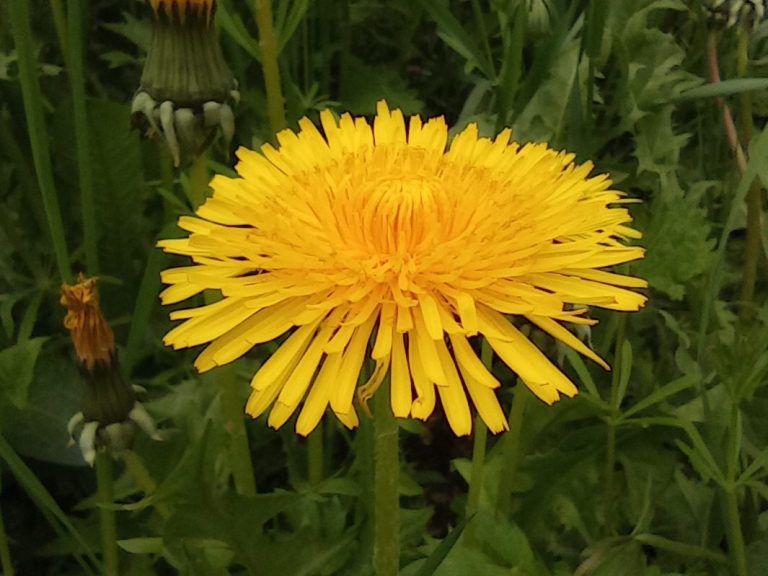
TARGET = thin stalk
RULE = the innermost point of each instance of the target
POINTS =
(478, 456)
(239, 448)
(735, 536)
(5, 550)
(82, 134)
(60, 23)
(107, 523)
(610, 443)
(198, 181)
(143, 479)
(734, 533)
(754, 201)
(275, 110)
(728, 123)
(511, 454)
(477, 12)
(315, 455)
(386, 531)
(38, 134)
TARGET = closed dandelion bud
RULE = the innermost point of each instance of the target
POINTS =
(728, 13)
(187, 90)
(110, 409)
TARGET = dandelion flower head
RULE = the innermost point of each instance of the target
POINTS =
(384, 241)
(93, 338)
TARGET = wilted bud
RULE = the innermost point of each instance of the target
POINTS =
(187, 90)
(747, 13)
(110, 409)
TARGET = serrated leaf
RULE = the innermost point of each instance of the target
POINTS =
(678, 243)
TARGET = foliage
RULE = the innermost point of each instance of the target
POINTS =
(635, 476)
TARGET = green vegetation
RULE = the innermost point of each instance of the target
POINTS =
(657, 468)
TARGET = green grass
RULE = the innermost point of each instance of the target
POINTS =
(656, 469)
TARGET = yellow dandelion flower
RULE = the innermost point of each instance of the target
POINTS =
(384, 241)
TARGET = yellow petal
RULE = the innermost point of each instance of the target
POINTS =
(341, 396)
(424, 404)
(401, 397)
(470, 364)
(319, 395)
(452, 396)
(559, 332)
(522, 356)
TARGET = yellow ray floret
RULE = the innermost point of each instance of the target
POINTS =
(382, 241)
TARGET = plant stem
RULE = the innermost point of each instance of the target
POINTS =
(754, 201)
(141, 476)
(735, 535)
(5, 550)
(82, 134)
(269, 65)
(234, 417)
(610, 443)
(386, 546)
(107, 524)
(478, 456)
(477, 12)
(315, 455)
(198, 181)
(60, 23)
(728, 123)
(38, 135)
(511, 454)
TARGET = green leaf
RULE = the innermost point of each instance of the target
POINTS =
(454, 34)
(232, 24)
(142, 545)
(434, 560)
(46, 504)
(660, 394)
(17, 366)
(723, 88)
(625, 371)
(40, 429)
(679, 247)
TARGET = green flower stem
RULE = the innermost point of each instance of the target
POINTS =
(231, 401)
(733, 525)
(107, 523)
(75, 39)
(38, 135)
(197, 190)
(754, 200)
(610, 447)
(511, 454)
(234, 417)
(60, 23)
(315, 455)
(269, 65)
(5, 551)
(478, 456)
(735, 535)
(386, 546)
(143, 479)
